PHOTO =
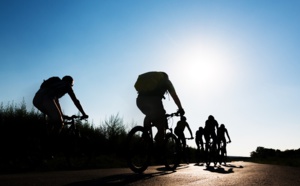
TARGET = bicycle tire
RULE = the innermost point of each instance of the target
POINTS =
(208, 157)
(214, 155)
(223, 156)
(172, 153)
(138, 146)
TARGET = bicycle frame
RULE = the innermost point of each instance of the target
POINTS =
(168, 129)
(78, 150)
(211, 152)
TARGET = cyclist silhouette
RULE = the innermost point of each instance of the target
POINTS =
(221, 135)
(151, 87)
(199, 143)
(47, 101)
(199, 138)
(179, 131)
(211, 125)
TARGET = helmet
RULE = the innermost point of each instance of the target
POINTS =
(222, 126)
(210, 117)
(68, 79)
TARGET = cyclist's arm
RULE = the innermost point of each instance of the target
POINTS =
(176, 100)
(227, 135)
(174, 95)
(190, 131)
(217, 124)
(76, 102)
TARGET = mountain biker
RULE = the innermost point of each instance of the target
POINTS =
(199, 143)
(151, 87)
(199, 138)
(211, 125)
(46, 100)
(221, 136)
(179, 131)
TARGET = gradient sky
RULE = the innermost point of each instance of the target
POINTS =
(235, 60)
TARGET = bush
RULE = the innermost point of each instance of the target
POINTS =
(22, 130)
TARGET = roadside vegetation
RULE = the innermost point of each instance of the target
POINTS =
(277, 157)
(21, 130)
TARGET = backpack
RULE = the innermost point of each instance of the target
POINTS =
(50, 81)
(148, 82)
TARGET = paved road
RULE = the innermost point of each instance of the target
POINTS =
(235, 173)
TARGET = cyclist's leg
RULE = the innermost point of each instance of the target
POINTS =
(55, 116)
(184, 149)
(224, 145)
(153, 108)
(145, 106)
(215, 140)
(161, 130)
(54, 125)
(207, 139)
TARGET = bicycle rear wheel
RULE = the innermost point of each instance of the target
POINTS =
(138, 146)
(172, 152)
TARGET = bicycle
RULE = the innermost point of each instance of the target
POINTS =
(222, 153)
(68, 148)
(185, 151)
(140, 147)
(200, 156)
(211, 153)
(77, 147)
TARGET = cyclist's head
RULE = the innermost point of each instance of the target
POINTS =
(68, 79)
(222, 126)
(210, 117)
(183, 118)
(200, 128)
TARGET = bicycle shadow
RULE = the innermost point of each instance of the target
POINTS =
(223, 169)
(219, 169)
(233, 166)
(121, 179)
(180, 166)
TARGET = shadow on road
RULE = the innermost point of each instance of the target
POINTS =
(222, 169)
(219, 169)
(181, 166)
(120, 179)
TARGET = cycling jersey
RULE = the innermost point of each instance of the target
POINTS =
(59, 89)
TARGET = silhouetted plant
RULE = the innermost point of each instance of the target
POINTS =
(272, 156)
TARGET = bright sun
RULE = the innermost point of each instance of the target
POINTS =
(208, 67)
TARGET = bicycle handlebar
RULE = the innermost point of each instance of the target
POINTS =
(189, 138)
(173, 114)
(74, 117)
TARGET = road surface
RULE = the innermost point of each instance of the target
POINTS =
(235, 173)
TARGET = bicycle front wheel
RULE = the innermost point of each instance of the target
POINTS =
(138, 147)
(172, 152)
(223, 156)
(208, 156)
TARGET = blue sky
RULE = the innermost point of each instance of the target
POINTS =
(236, 60)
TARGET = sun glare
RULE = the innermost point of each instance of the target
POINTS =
(208, 67)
